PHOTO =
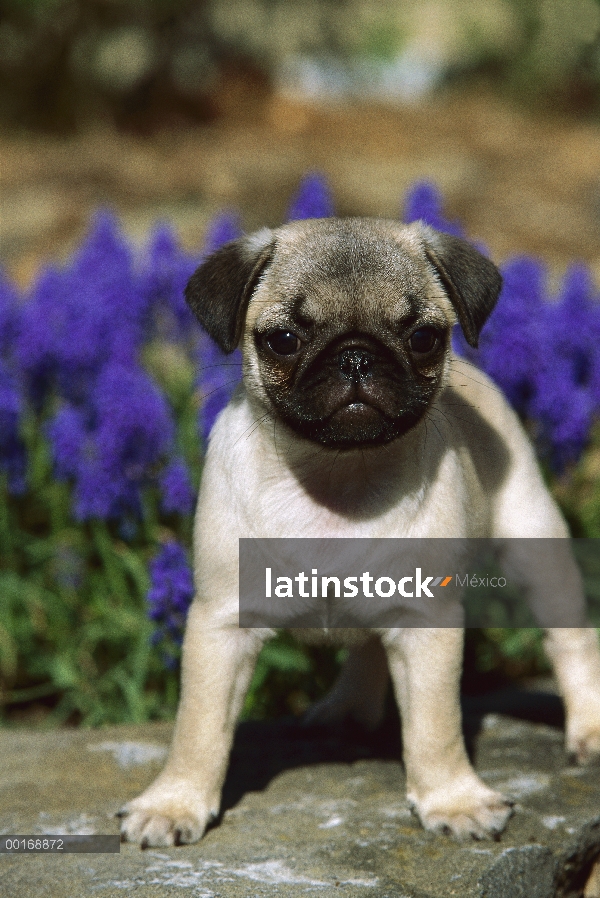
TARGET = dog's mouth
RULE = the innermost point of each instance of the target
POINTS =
(355, 424)
(356, 414)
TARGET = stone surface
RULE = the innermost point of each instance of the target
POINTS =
(306, 811)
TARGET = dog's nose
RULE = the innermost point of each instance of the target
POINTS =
(355, 364)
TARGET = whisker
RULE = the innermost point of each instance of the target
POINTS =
(205, 396)
(438, 430)
(202, 367)
(456, 417)
(434, 408)
(367, 478)
(275, 439)
(206, 372)
(480, 382)
(257, 425)
(253, 427)
(335, 458)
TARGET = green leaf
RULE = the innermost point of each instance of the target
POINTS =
(285, 658)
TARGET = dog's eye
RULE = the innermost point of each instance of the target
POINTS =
(424, 340)
(283, 342)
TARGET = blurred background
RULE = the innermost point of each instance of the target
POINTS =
(178, 108)
(176, 111)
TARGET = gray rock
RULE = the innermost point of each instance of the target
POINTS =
(305, 811)
(528, 872)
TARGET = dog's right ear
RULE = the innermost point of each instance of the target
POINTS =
(470, 279)
(219, 291)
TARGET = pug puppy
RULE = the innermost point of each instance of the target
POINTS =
(355, 419)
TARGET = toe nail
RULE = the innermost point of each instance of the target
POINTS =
(145, 843)
(123, 837)
(177, 837)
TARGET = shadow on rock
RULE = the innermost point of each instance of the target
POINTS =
(264, 749)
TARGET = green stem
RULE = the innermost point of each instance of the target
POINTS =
(18, 696)
(6, 540)
(110, 561)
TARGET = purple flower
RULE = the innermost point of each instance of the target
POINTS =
(112, 449)
(223, 228)
(165, 273)
(424, 203)
(514, 341)
(109, 292)
(219, 374)
(135, 426)
(176, 488)
(313, 199)
(101, 494)
(68, 435)
(78, 318)
(568, 371)
(171, 590)
(544, 355)
(43, 324)
(12, 449)
(563, 412)
(9, 314)
(574, 323)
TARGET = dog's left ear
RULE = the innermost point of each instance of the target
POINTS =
(219, 291)
(471, 281)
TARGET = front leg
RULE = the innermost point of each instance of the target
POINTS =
(442, 787)
(575, 656)
(548, 572)
(217, 665)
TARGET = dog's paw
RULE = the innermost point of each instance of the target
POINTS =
(583, 747)
(467, 808)
(168, 813)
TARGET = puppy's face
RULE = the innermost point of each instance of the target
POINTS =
(344, 323)
(346, 334)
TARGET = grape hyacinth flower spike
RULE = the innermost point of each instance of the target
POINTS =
(312, 200)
